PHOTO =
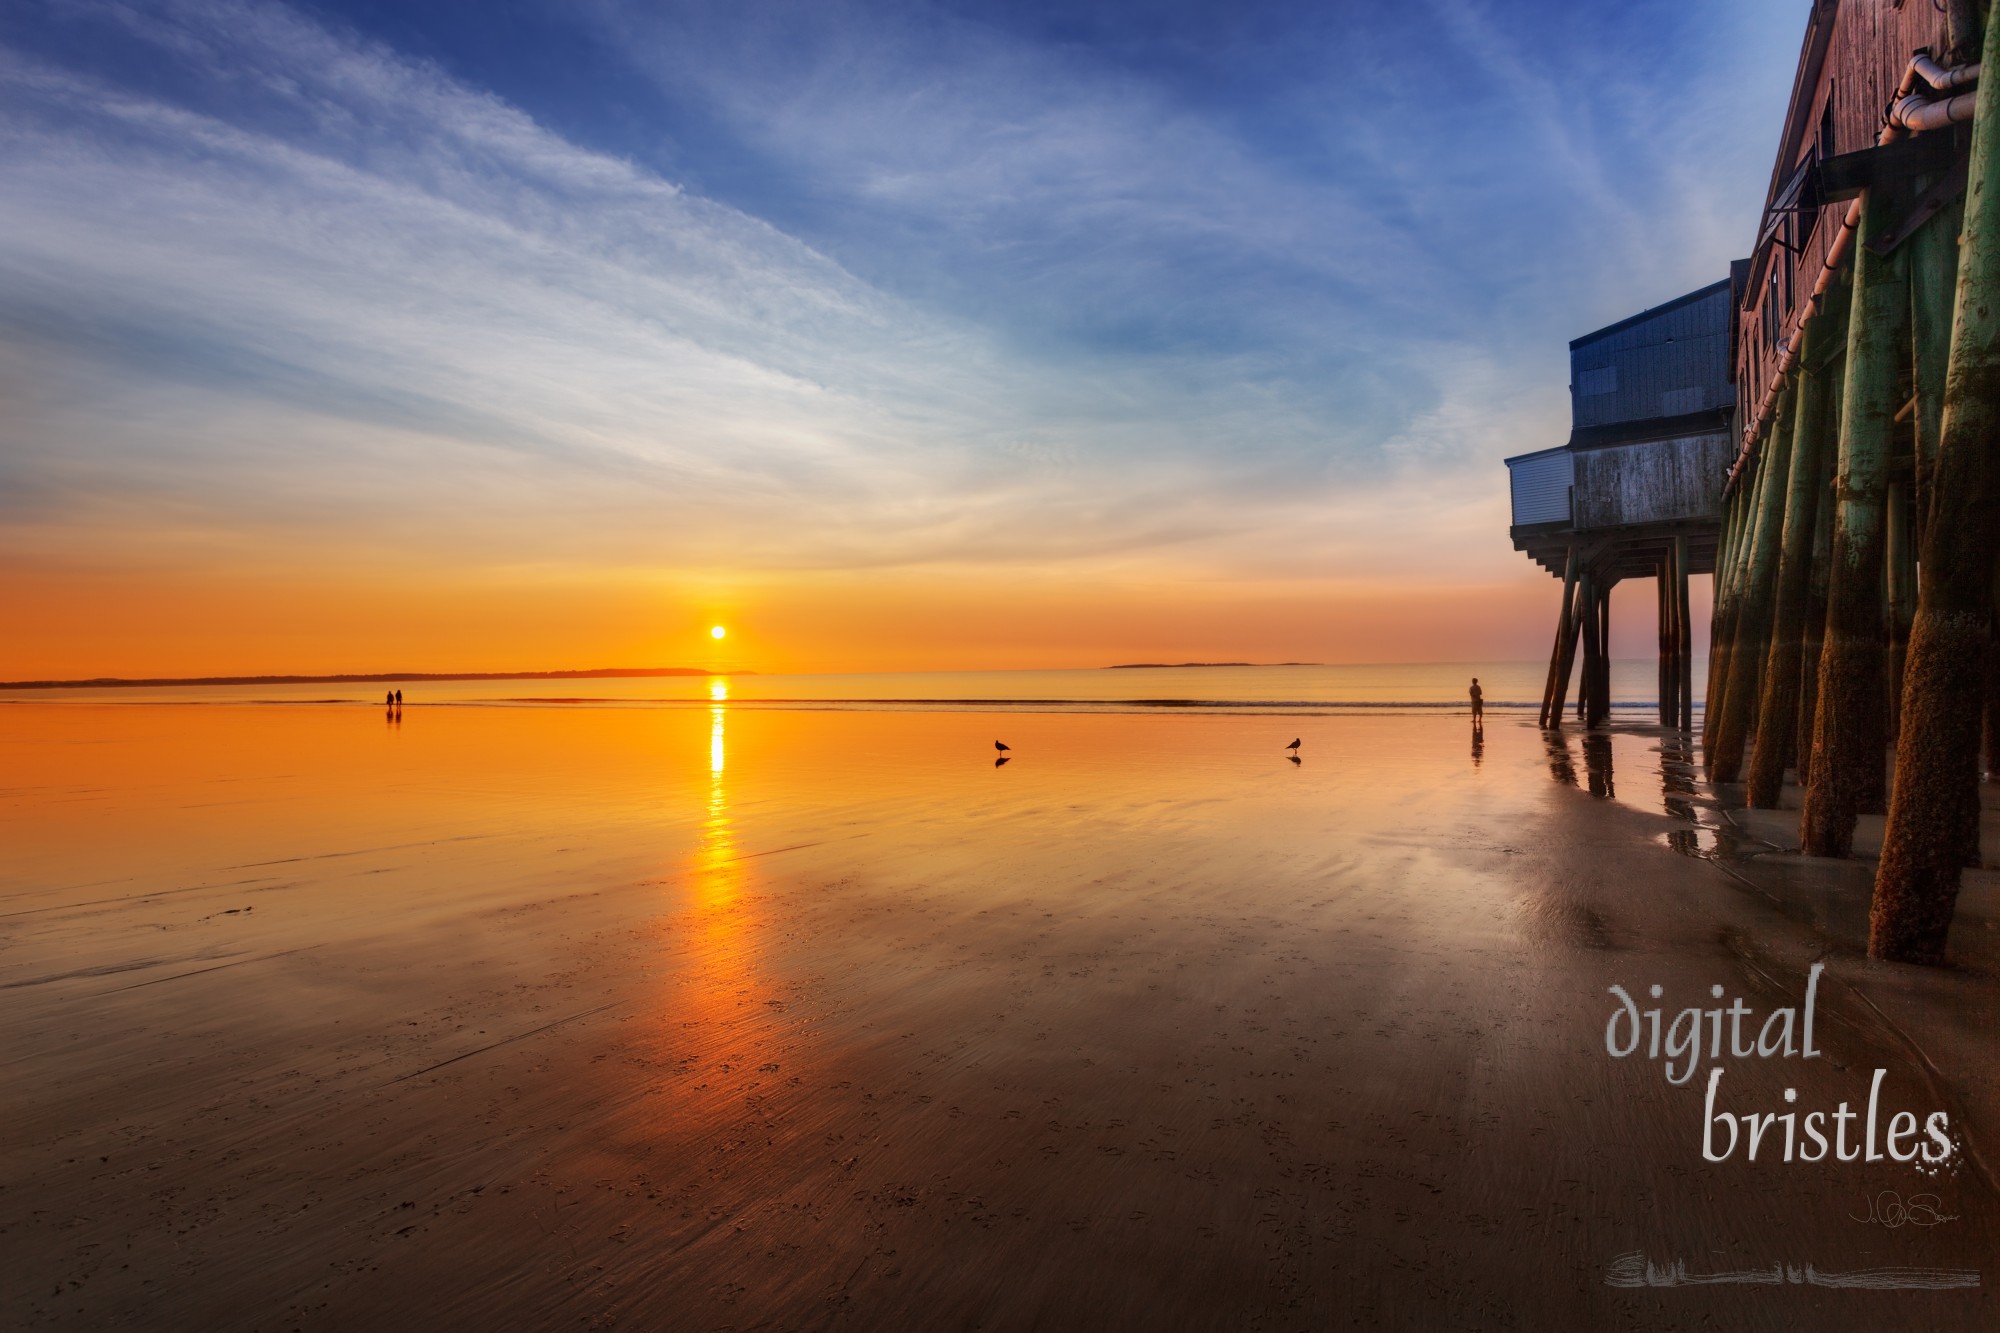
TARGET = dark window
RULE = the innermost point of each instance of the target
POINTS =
(1790, 233)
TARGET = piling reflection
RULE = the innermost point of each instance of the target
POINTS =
(1562, 764)
(1677, 787)
(1597, 764)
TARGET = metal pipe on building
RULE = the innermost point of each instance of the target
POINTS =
(1916, 117)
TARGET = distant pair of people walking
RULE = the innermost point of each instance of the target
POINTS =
(393, 699)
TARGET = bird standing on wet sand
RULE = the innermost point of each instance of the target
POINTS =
(1002, 746)
(1294, 748)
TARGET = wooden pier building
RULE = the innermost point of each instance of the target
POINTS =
(1635, 492)
(1855, 581)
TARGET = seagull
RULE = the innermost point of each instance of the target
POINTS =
(1002, 747)
(1294, 748)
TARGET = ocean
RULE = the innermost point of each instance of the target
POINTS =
(1426, 685)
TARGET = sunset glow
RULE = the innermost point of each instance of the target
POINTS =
(1072, 366)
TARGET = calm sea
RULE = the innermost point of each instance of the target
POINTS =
(1508, 685)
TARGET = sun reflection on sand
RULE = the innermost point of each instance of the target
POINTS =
(717, 876)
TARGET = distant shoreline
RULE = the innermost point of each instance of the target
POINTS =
(364, 678)
(1158, 666)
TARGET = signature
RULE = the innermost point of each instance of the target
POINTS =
(1636, 1270)
(1889, 1209)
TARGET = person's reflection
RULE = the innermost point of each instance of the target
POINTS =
(1597, 762)
(1478, 741)
(1562, 765)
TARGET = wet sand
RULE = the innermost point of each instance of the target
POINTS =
(740, 1018)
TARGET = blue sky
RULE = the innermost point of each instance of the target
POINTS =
(757, 288)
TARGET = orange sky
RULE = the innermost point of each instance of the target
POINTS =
(76, 625)
(320, 354)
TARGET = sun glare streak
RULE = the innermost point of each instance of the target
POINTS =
(716, 868)
(718, 690)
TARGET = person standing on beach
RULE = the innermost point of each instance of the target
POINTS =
(1478, 697)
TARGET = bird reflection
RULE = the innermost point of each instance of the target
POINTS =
(1295, 759)
(1000, 762)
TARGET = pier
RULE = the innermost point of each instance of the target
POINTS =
(1634, 493)
(1852, 522)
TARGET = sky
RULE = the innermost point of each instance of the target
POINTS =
(513, 334)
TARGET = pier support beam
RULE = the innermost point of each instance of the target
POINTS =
(1724, 616)
(1778, 704)
(1663, 608)
(1937, 764)
(1684, 662)
(1933, 279)
(1900, 580)
(1751, 633)
(1586, 684)
(1849, 740)
(1600, 697)
(1817, 576)
(1557, 683)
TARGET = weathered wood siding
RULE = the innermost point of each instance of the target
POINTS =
(1539, 484)
(1836, 108)
(1657, 481)
(1663, 363)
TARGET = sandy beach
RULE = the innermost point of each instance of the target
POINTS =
(731, 1018)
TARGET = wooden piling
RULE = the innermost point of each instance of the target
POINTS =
(1684, 613)
(1752, 630)
(1993, 703)
(1849, 726)
(1600, 698)
(1937, 764)
(1817, 577)
(1552, 688)
(1778, 703)
(1569, 645)
(1899, 577)
(1663, 613)
(1933, 275)
(1586, 685)
(1738, 516)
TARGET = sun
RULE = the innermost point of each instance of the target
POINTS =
(717, 632)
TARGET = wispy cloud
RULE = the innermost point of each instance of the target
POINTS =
(972, 295)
